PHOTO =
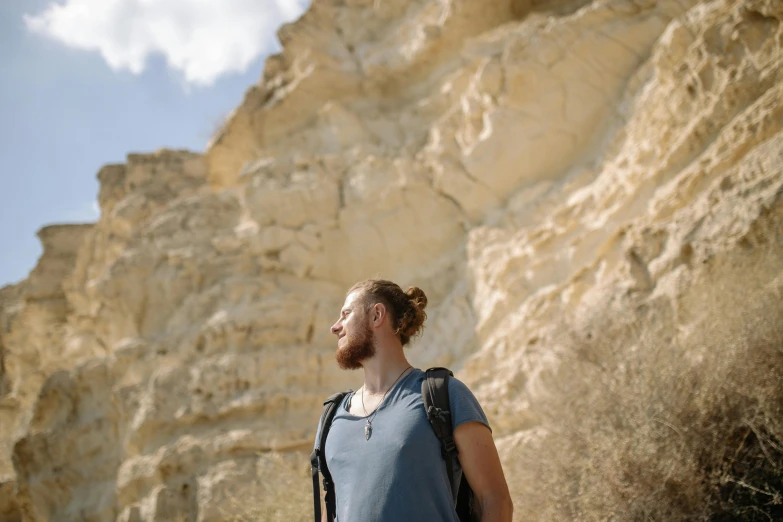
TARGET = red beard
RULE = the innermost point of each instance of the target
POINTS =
(358, 347)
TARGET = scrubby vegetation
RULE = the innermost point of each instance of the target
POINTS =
(662, 427)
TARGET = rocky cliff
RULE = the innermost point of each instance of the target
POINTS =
(590, 192)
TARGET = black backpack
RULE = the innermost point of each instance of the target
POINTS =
(435, 395)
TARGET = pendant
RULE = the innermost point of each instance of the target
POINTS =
(367, 431)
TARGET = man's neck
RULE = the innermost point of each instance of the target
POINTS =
(381, 370)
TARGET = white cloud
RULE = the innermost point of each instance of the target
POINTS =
(84, 212)
(202, 38)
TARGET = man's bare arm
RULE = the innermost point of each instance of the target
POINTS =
(479, 459)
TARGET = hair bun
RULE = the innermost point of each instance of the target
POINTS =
(417, 296)
(414, 316)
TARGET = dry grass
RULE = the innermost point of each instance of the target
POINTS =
(257, 510)
(282, 493)
(661, 426)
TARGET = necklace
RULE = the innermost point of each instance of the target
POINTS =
(368, 426)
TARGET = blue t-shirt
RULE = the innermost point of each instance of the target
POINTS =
(398, 474)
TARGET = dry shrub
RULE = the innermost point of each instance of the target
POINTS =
(665, 409)
(282, 493)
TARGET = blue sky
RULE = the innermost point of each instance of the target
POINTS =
(87, 81)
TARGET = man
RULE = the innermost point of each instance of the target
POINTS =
(384, 458)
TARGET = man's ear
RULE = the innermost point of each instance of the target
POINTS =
(378, 314)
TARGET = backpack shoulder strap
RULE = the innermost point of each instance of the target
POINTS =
(318, 459)
(435, 395)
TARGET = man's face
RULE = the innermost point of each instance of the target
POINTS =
(354, 334)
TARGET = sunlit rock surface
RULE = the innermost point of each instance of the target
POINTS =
(590, 193)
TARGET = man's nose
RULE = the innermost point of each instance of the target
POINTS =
(335, 328)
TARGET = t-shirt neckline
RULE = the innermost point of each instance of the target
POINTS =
(382, 404)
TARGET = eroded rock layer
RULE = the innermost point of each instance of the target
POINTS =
(591, 194)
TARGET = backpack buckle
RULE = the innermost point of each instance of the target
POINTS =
(449, 447)
(436, 413)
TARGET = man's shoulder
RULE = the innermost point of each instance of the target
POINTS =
(454, 383)
(458, 386)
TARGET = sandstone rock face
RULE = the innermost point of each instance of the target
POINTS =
(590, 193)
(33, 321)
